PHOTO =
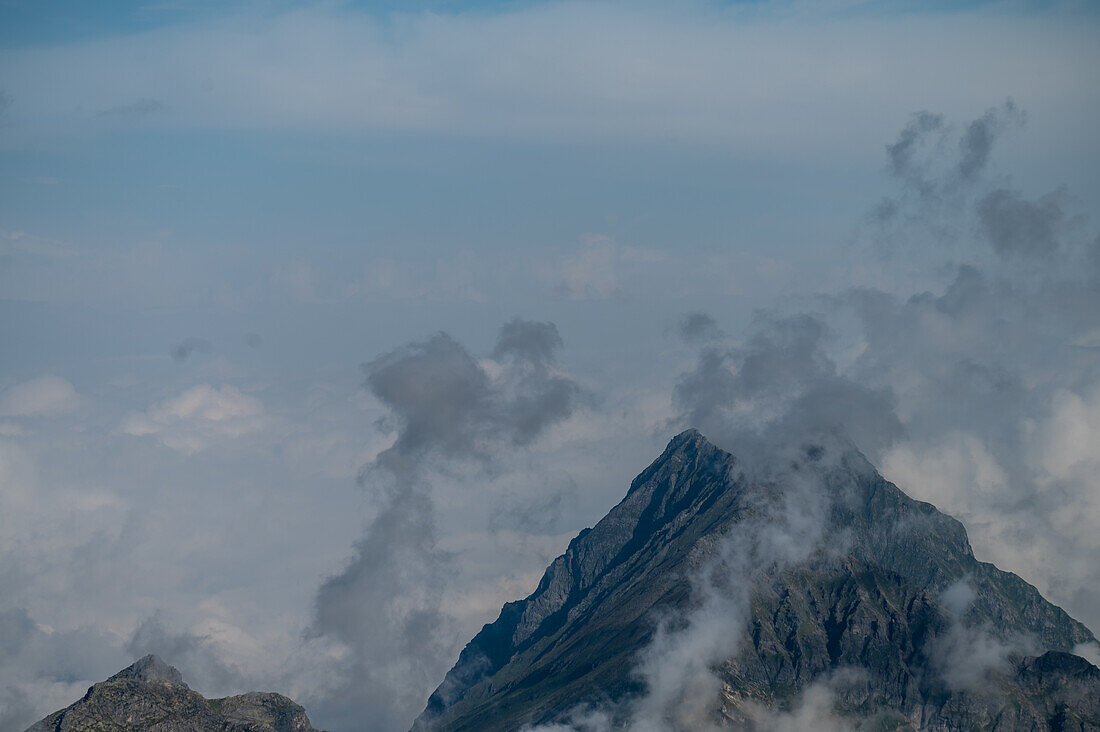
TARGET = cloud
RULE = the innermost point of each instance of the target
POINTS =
(299, 279)
(42, 670)
(444, 279)
(963, 396)
(134, 110)
(16, 710)
(189, 346)
(680, 668)
(1066, 440)
(385, 608)
(698, 328)
(813, 710)
(937, 180)
(994, 399)
(199, 418)
(587, 70)
(976, 143)
(21, 243)
(594, 272)
(578, 720)
(195, 656)
(43, 396)
(782, 385)
(1090, 652)
(902, 153)
(1015, 226)
(967, 656)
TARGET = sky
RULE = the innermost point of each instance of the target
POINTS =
(324, 326)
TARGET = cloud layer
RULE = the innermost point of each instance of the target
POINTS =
(556, 70)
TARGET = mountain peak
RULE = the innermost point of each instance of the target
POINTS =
(150, 695)
(150, 670)
(863, 587)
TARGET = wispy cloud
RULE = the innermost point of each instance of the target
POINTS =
(46, 395)
(198, 418)
(558, 71)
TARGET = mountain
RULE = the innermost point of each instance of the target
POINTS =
(845, 586)
(151, 695)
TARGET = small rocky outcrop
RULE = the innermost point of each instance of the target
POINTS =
(151, 695)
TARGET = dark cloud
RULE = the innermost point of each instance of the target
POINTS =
(386, 605)
(912, 138)
(440, 396)
(782, 386)
(977, 142)
(1014, 225)
(698, 328)
(445, 401)
(190, 346)
(535, 343)
(708, 391)
(937, 180)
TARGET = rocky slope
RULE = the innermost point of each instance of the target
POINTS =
(880, 601)
(151, 695)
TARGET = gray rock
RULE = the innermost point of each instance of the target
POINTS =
(151, 695)
(150, 669)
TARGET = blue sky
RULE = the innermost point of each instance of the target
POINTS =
(286, 191)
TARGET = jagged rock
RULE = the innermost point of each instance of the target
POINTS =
(872, 600)
(151, 695)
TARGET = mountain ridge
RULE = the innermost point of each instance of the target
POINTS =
(151, 695)
(871, 595)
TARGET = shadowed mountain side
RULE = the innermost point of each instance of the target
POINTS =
(151, 695)
(870, 597)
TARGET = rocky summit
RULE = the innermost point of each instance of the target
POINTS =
(866, 598)
(151, 695)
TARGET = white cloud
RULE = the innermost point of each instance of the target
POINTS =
(951, 474)
(812, 711)
(591, 273)
(596, 270)
(199, 418)
(21, 243)
(966, 655)
(1067, 440)
(44, 396)
(1089, 651)
(1065, 451)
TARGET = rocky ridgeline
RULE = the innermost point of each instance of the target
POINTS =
(151, 695)
(870, 616)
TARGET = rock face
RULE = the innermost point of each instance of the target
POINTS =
(151, 695)
(890, 610)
